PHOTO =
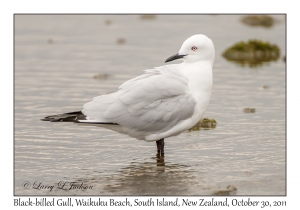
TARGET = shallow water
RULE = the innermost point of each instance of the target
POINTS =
(56, 57)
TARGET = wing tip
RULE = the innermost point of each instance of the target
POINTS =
(65, 117)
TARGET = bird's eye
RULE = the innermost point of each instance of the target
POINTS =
(194, 48)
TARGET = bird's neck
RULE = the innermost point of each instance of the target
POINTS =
(199, 71)
(199, 75)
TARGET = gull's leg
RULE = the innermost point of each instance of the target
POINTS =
(160, 146)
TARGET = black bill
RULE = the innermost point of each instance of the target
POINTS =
(174, 57)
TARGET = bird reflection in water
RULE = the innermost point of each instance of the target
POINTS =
(157, 176)
(160, 159)
(152, 178)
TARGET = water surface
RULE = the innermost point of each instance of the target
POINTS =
(56, 57)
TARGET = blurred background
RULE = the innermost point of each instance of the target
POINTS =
(63, 61)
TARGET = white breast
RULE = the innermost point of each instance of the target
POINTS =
(200, 82)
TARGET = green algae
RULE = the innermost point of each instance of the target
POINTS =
(204, 123)
(249, 110)
(252, 53)
(258, 20)
(230, 190)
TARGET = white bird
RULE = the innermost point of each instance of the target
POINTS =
(165, 101)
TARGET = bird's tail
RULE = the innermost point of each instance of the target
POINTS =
(66, 117)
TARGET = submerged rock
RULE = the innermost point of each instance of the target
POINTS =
(50, 41)
(204, 123)
(253, 53)
(249, 110)
(258, 20)
(265, 86)
(107, 22)
(228, 191)
(148, 17)
(101, 76)
(121, 41)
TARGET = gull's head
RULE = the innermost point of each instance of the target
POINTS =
(196, 48)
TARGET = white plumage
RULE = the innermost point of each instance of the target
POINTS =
(164, 101)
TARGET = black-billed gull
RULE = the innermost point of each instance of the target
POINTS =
(165, 101)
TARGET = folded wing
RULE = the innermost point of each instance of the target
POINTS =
(153, 102)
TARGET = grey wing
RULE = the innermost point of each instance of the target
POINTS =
(155, 101)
